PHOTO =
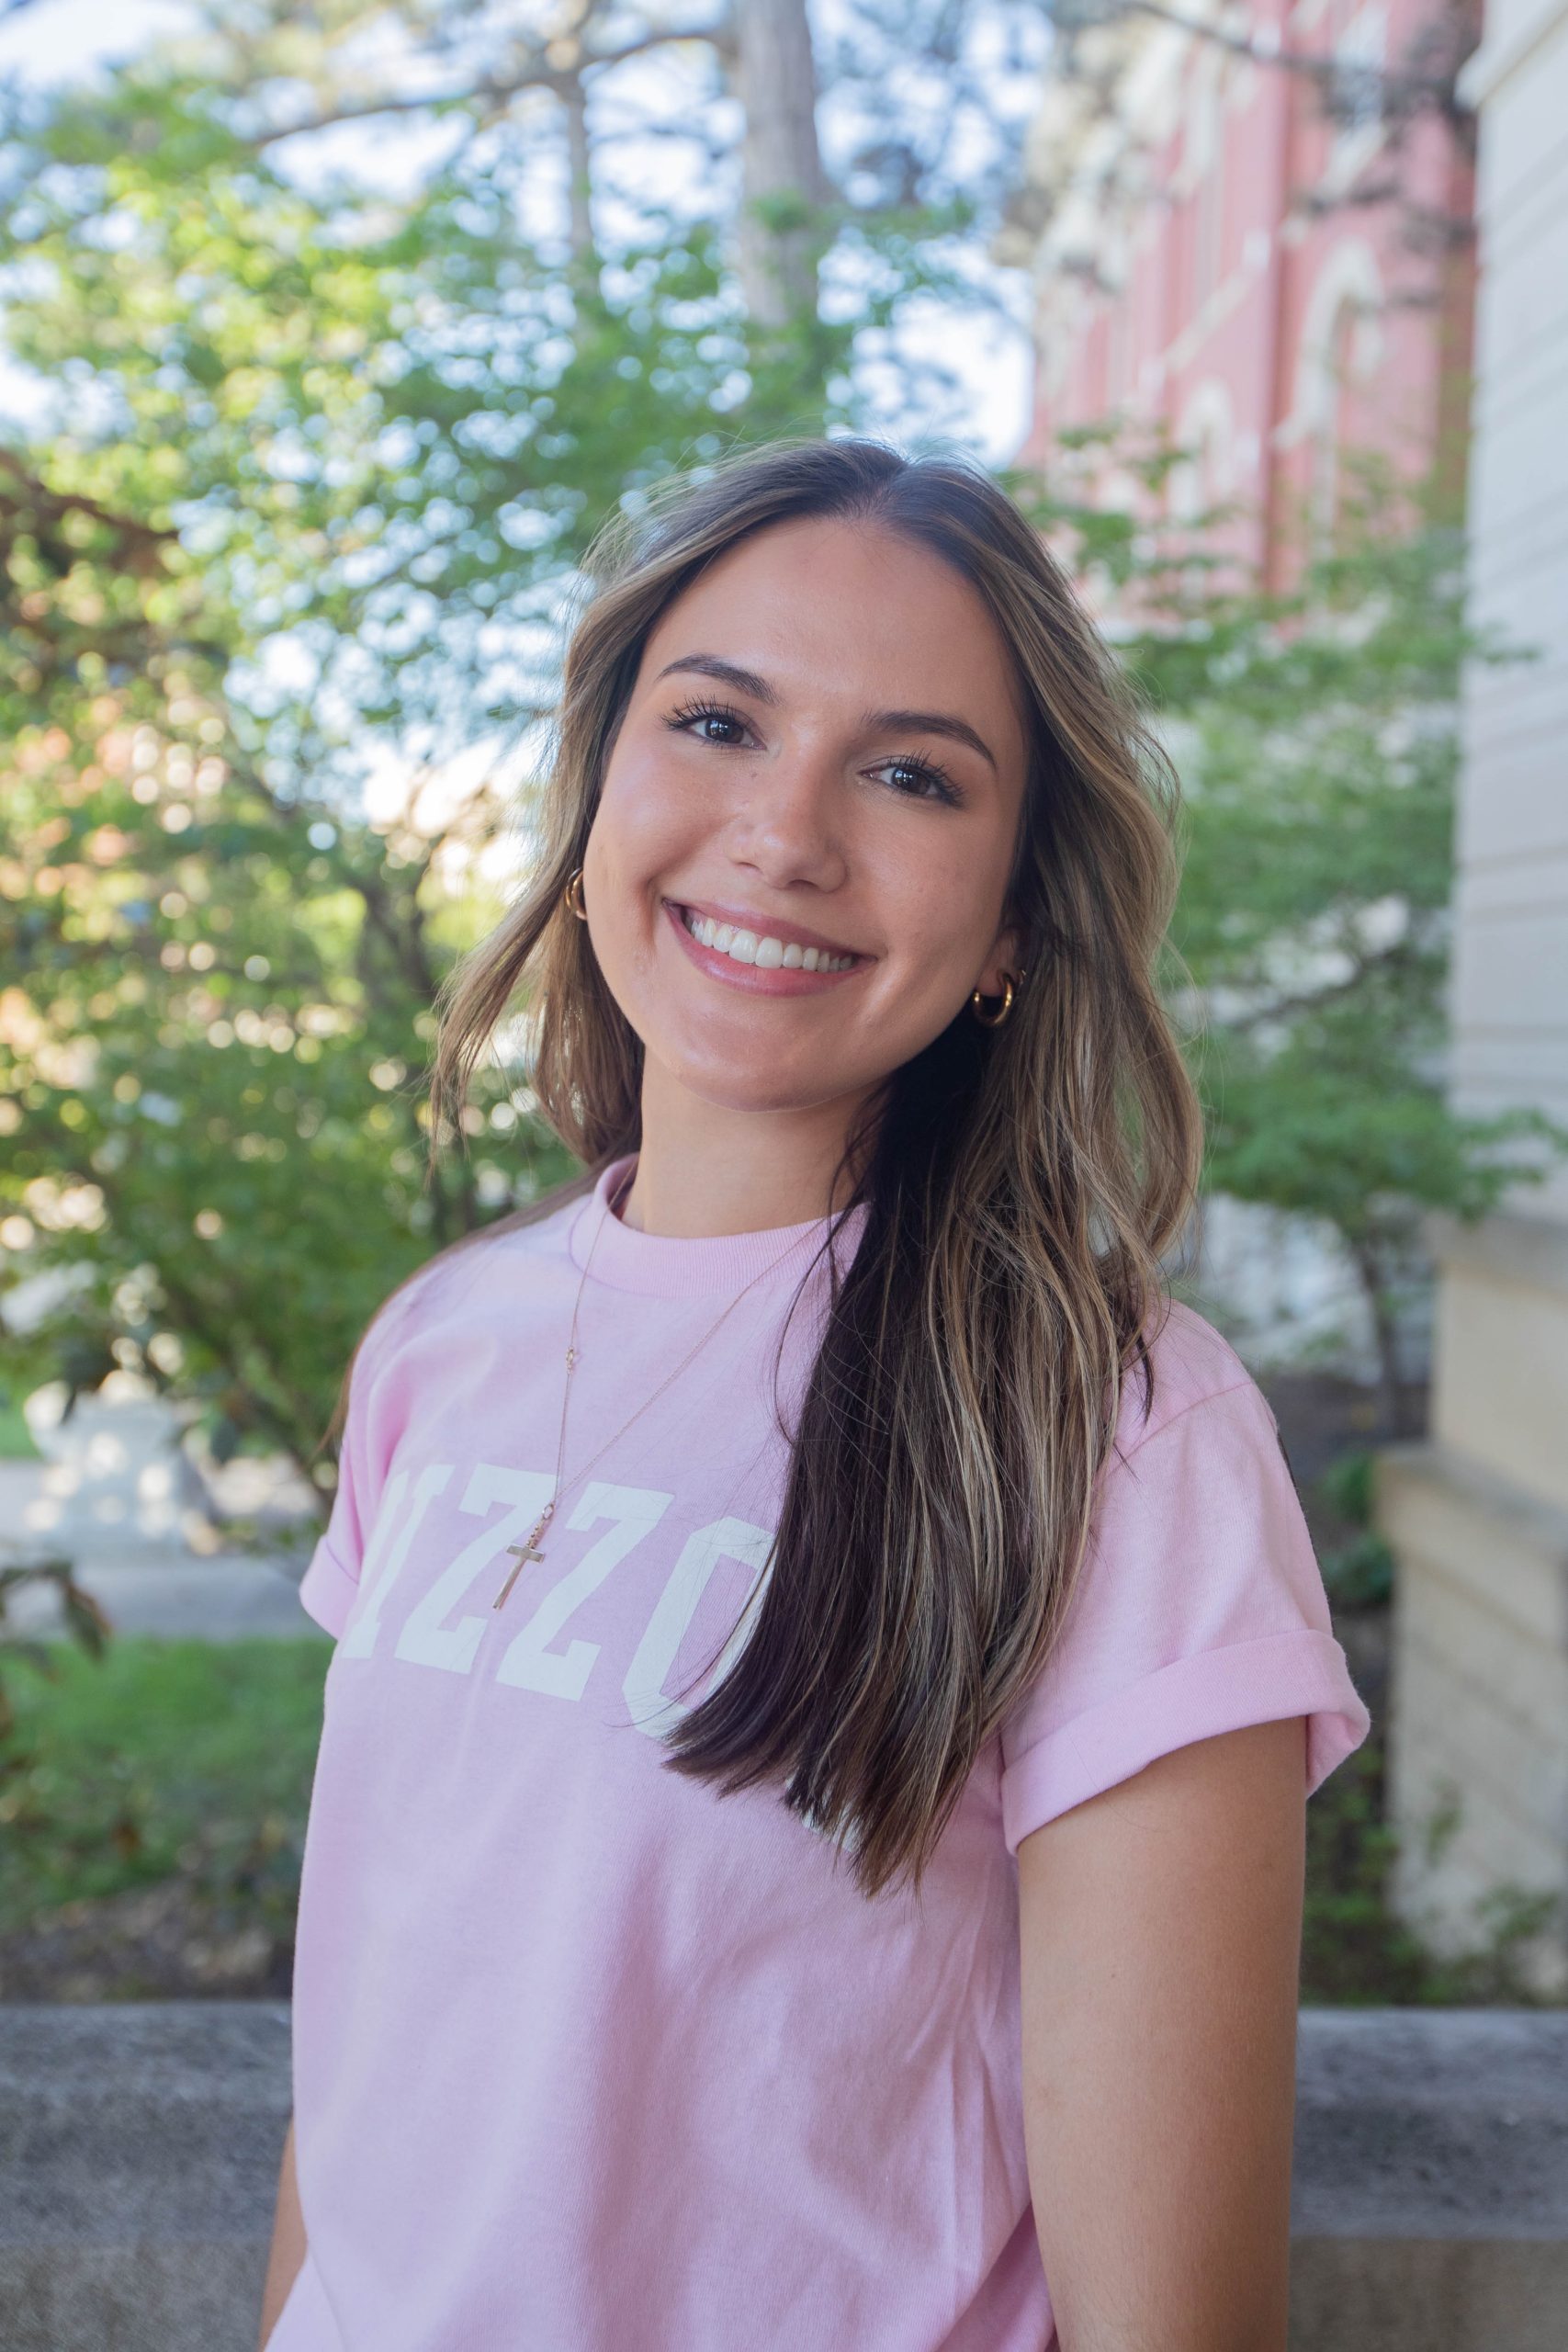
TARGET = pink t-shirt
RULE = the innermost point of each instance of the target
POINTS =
(587, 2058)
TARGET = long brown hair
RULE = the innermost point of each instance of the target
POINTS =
(1021, 1182)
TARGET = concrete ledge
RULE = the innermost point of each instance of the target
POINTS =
(1426, 2295)
(139, 2144)
(1421, 2123)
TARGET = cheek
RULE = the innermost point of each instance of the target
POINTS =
(645, 816)
(937, 917)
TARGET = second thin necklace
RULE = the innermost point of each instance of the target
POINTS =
(533, 1550)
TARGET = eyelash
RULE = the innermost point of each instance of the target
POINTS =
(928, 770)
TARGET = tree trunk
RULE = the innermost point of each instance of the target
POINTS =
(1391, 1387)
(579, 166)
(775, 79)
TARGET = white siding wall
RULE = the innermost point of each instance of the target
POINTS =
(1478, 1517)
(1510, 981)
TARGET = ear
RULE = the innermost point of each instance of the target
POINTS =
(1004, 958)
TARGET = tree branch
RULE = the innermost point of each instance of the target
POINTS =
(57, 503)
(1402, 951)
(1437, 88)
(536, 74)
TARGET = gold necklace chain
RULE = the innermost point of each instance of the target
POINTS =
(532, 1549)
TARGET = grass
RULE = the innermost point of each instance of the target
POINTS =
(162, 1757)
(187, 1765)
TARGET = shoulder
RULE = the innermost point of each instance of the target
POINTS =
(1197, 1606)
(1197, 1464)
(461, 1274)
(1197, 1478)
(1192, 1364)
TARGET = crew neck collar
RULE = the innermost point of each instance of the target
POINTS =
(670, 1265)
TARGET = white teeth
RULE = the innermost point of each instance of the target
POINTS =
(768, 953)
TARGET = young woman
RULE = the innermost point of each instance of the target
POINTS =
(806, 1845)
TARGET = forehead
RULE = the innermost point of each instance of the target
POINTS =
(835, 610)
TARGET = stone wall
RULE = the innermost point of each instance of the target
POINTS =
(139, 2145)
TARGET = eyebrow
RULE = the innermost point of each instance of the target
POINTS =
(920, 722)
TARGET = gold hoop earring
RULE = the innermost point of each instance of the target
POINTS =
(572, 894)
(993, 1020)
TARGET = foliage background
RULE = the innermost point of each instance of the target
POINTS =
(321, 439)
(342, 326)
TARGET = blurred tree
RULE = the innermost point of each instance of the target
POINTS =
(322, 449)
(1318, 736)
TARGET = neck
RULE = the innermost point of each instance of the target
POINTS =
(705, 1170)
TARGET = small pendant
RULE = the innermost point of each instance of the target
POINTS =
(523, 1553)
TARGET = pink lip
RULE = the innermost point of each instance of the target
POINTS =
(741, 919)
(781, 982)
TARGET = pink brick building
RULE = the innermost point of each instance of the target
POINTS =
(1213, 247)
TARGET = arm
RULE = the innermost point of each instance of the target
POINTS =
(287, 2252)
(1160, 1925)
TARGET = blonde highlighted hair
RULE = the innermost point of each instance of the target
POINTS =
(1020, 1184)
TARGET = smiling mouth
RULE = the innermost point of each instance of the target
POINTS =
(764, 949)
(758, 963)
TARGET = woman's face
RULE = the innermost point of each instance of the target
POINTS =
(823, 752)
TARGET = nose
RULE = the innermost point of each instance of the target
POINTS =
(787, 827)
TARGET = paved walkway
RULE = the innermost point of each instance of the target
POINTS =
(216, 1600)
(147, 1587)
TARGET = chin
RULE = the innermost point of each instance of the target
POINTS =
(754, 1081)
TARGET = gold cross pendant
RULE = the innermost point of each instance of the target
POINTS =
(523, 1553)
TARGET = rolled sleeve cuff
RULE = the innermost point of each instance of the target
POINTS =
(327, 1589)
(1299, 1673)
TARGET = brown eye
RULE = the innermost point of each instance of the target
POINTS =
(929, 782)
(708, 714)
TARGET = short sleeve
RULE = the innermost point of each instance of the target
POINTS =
(1199, 1608)
(331, 1577)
